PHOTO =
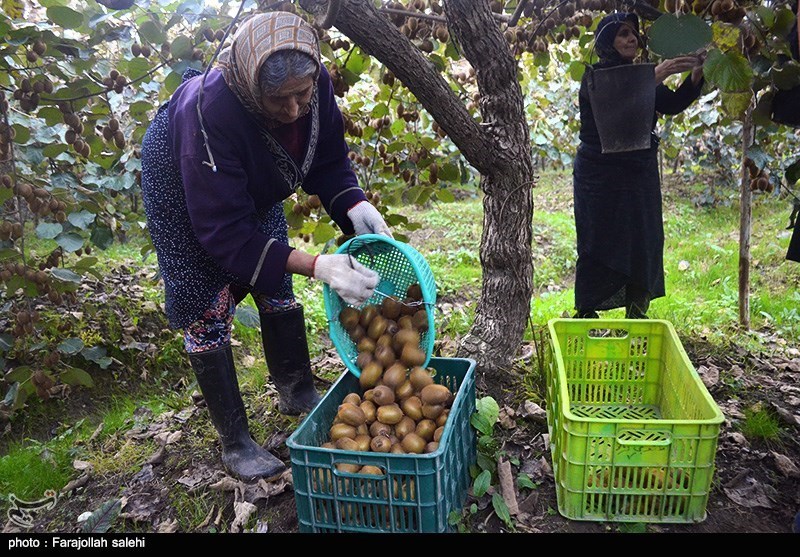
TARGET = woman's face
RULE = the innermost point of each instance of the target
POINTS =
(287, 103)
(626, 42)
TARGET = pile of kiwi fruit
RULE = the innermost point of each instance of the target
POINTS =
(400, 408)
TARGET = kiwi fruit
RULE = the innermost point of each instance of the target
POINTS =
(392, 327)
(405, 322)
(384, 340)
(371, 470)
(380, 444)
(378, 429)
(390, 308)
(368, 395)
(349, 317)
(369, 409)
(404, 390)
(412, 355)
(383, 395)
(395, 375)
(366, 344)
(328, 445)
(425, 429)
(397, 448)
(363, 429)
(342, 430)
(389, 414)
(431, 447)
(404, 427)
(420, 378)
(435, 394)
(352, 398)
(403, 337)
(370, 374)
(358, 333)
(408, 307)
(348, 468)
(442, 419)
(377, 327)
(385, 356)
(413, 443)
(432, 411)
(346, 444)
(363, 359)
(367, 315)
(351, 414)
(420, 320)
(412, 407)
(438, 433)
(414, 292)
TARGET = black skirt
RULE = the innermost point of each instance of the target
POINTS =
(619, 227)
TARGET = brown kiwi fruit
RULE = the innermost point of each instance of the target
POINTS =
(363, 429)
(347, 444)
(380, 444)
(352, 398)
(425, 429)
(442, 419)
(349, 318)
(351, 414)
(438, 433)
(413, 443)
(412, 407)
(383, 395)
(348, 468)
(367, 315)
(390, 308)
(408, 307)
(432, 411)
(376, 327)
(369, 409)
(414, 292)
(389, 414)
(412, 355)
(384, 340)
(392, 327)
(397, 448)
(405, 322)
(380, 429)
(403, 337)
(395, 375)
(342, 430)
(328, 445)
(404, 427)
(420, 320)
(370, 374)
(366, 344)
(404, 390)
(362, 442)
(363, 359)
(435, 394)
(420, 378)
(431, 447)
(385, 356)
(371, 470)
(358, 333)
(368, 395)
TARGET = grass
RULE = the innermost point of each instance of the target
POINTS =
(760, 423)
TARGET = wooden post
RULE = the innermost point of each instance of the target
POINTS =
(745, 213)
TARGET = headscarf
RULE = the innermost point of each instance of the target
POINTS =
(606, 32)
(257, 39)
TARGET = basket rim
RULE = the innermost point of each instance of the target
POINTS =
(717, 419)
(428, 296)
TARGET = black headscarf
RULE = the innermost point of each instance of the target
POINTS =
(606, 32)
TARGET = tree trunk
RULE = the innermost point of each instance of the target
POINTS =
(745, 213)
(499, 148)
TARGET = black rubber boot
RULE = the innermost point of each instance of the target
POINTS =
(637, 302)
(242, 457)
(587, 314)
(286, 350)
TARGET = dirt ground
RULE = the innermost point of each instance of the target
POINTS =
(756, 487)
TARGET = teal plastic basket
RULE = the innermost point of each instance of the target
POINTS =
(415, 493)
(399, 266)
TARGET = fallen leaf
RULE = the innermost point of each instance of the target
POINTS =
(683, 265)
(533, 411)
(141, 507)
(145, 475)
(748, 492)
(738, 438)
(242, 511)
(174, 437)
(207, 519)
(248, 361)
(793, 401)
(168, 527)
(261, 527)
(709, 375)
(96, 433)
(185, 414)
(785, 465)
(82, 465)
(507, 486)
(158, 456)
(505, 418)
(225, 484)
(75, 484)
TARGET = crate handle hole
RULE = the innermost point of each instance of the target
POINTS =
(607, 333)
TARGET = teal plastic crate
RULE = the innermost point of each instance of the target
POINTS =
(415, 493)
(399, 266)
(633, 430)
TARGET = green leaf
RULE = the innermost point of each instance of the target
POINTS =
(102, 237)
(501, 509)
(181, 47)
(397, 127)
(449, 172)
(524, 482)
(757, 154)
(81, 219)
(488, 407)
(151, 31)
(13, 8)
(576, 70)
(51, 115)
(6, 342)
(85, 264)
(633, 528)
(357, 62)
(485, 462)
(69, 241)
(735, 104)
(787, 76)
(379, 110)
(76, 376)
(66, 275)
(351, 78)
(23, 134)
(19, 374)
(172, 81)
(70, 346)
(6, 194)
(248, 317)
(784, 20)
(451, 50)
(766, 14)
(482, 483)
(100, 520)
(671, 35)
(445, 196)
(53, 150)
(726, 36)
(481, 423)
(65, 17)
(48, 230)
(729, 71)
(541, 59)
(11, 395)
(98, 355)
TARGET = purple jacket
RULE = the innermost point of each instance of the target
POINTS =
(224, 206)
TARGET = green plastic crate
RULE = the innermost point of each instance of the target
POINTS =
(399, 266)
(633, 430)
(415, 494)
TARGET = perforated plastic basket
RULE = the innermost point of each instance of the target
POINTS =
(415, 493)
(399, 266)
(633, 430)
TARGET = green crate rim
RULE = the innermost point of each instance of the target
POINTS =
(428, 289)
(620, 324)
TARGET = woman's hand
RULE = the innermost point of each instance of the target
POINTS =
(679, 65)
(367, 220)
(349, 278)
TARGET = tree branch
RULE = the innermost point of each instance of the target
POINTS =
(361, 21)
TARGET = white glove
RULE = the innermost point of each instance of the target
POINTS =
(367, 220)
(354, 283)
